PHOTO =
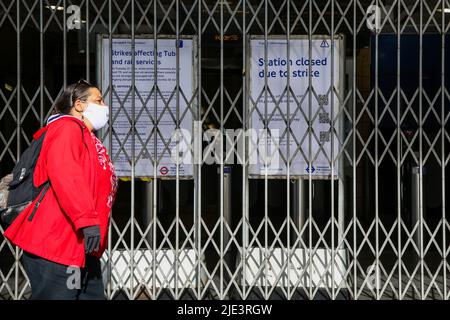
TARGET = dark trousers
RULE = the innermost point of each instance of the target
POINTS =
(53, 281)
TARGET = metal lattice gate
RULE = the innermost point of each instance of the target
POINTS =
(374, 227)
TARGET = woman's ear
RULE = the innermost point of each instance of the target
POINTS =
(78, 106)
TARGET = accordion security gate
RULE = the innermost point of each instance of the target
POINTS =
(377, 230)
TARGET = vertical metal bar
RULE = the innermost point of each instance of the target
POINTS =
(310, 182)
(341, 177)
(65, 44)
(88, 76)
(245, 187)
(341, 162)
(415, 202)
(299, 204)
(288, 150)
(422, 285)
(111, 151)
(443, 89)
(333, 293)
(133, 146)
(18, 128)
(266, 128)
(240, 255)
(354, 130)
(198, 139)
(221, 150)
(377, 249)
(399, 155)
(148, 205)
(227, 205)
(111, 88)
(155, 142)
(41, 63)
(177, 181)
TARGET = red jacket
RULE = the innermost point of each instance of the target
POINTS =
(76, 198)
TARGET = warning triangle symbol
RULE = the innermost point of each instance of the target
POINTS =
(324, 44)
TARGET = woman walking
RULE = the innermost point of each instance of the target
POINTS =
(65, 238)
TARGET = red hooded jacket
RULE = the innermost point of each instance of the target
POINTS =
(79, 195)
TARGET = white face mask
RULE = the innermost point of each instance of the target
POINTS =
(97, 115)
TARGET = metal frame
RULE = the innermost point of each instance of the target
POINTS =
(379, 251)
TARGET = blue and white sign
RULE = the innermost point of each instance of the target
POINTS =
(269, 65)
(166, 113)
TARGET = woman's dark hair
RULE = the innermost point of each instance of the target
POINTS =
(73, 92)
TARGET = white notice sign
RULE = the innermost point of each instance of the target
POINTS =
(153, 141)
(270, 106)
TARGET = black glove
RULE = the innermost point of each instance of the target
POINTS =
(91, 238)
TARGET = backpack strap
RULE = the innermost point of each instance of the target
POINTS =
(46, 185)
(38, 202)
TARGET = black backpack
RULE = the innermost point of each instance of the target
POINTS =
(21, 190)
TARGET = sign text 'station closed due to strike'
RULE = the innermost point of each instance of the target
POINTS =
(268, 106)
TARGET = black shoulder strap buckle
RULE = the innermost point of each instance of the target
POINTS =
(38, 202)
